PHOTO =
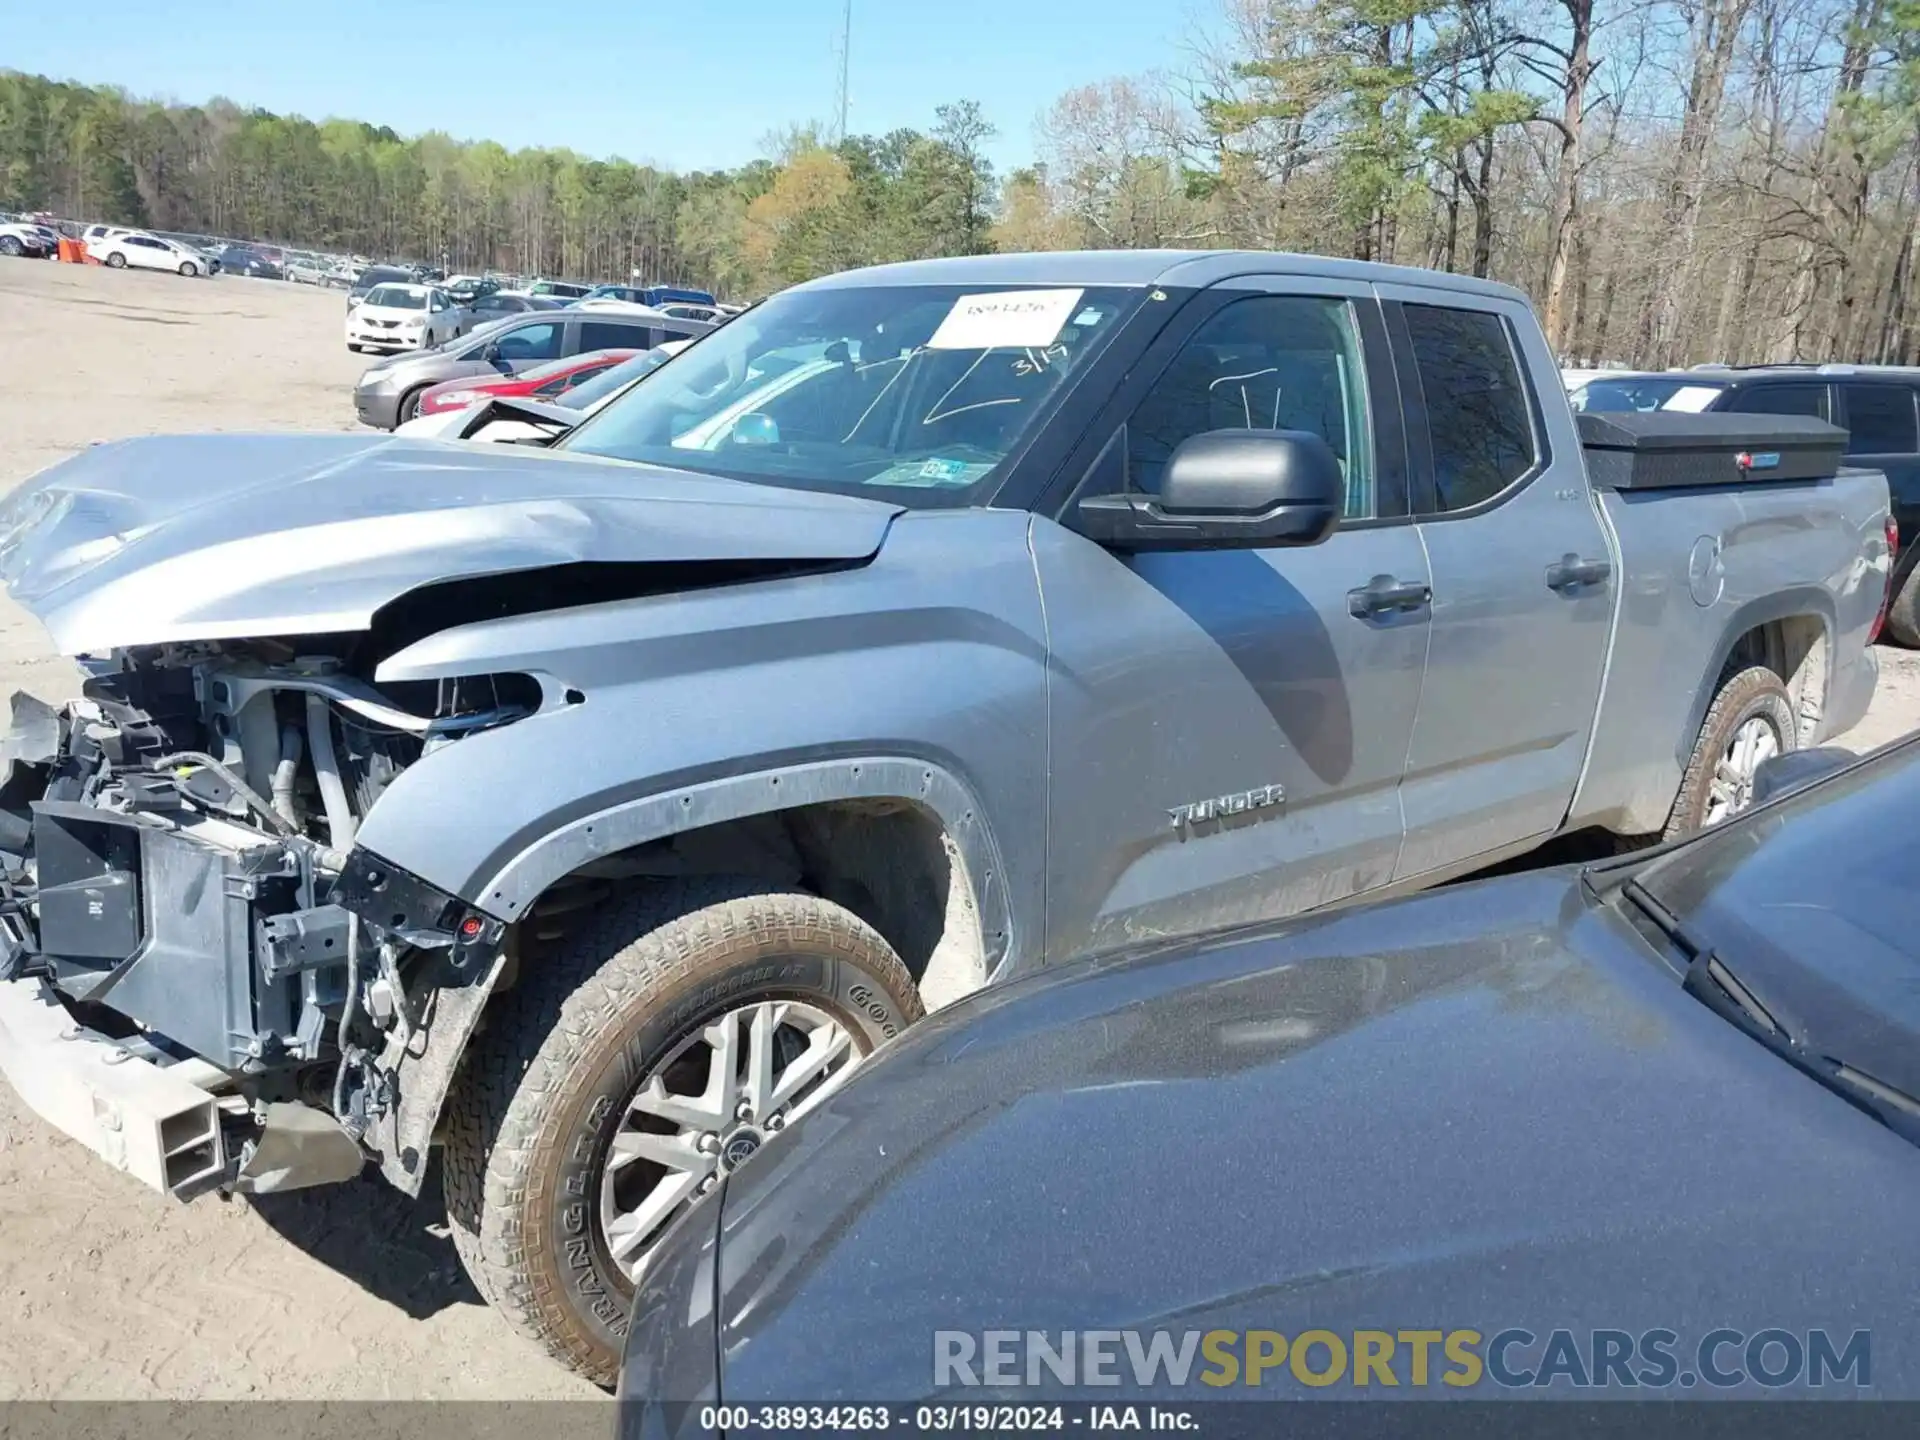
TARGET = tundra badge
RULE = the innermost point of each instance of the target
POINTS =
(1221, 807)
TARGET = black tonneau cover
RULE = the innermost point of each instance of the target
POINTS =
(1660, 450)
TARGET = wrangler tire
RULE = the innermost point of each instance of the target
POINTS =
(547, 1083)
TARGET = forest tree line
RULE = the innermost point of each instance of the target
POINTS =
(1671, 180)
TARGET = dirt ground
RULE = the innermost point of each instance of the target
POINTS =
(112, 1291)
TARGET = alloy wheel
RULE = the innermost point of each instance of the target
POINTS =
(706, 1108)
(1731, 789)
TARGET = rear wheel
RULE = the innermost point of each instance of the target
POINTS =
(10, 245)
(637, 1061)
(117, 261)
(1750, 721)
(1903, 612)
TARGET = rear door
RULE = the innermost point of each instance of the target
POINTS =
(1274, 688)
(1523, 579)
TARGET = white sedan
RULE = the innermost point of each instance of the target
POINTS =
(402, 317)
(141, 251)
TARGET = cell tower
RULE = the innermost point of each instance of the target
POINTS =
(840, 91)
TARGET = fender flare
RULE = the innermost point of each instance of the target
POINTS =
(426, 1076)
(1796, 603)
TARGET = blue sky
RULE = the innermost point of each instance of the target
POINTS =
(692, 85)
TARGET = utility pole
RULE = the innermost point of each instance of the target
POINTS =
(840, 94)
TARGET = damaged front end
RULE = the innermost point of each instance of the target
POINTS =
(203, 976)
(235, 989)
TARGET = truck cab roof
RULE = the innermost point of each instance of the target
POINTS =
(1184, 269)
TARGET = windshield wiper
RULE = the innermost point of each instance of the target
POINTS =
(1707, 978)
(1712, 982)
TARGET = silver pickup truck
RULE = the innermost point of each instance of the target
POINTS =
(591, 811)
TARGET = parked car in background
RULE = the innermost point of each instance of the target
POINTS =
(252, 263)
(491, 305)
(1482, 1101)
(306, 269)
(682, 311)
(389, 393)
(95, 236)
(395, 317)
(1878, 405)
(541, 382)
(369, 276)
(23, 238)
(141, 251)
(559, 289)
(466, 288)
(658, 781)
(528, 419)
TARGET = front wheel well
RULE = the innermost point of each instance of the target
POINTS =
(891, 862)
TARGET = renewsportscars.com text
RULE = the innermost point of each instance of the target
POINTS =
(1511, 1358)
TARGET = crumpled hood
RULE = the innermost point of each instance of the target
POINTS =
(210, 537)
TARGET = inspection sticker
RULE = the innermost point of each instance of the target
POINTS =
(1007, 319)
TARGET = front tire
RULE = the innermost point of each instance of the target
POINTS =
(580, 1128)
(409, 406)
(116, 261)
(10, 245)
(1751, 720)
(189, 270)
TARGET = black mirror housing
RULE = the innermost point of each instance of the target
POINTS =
(1228, 489)
(1797, 769)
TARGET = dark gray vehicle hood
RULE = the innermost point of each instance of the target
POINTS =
(1481, 1108)
(225, 536)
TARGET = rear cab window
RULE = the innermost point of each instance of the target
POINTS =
(1479, 409)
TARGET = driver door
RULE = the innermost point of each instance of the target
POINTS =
(1264, 682)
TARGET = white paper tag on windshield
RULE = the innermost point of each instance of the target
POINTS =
(1010, 319)
(1693, 399)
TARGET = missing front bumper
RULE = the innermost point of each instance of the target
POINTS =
(151, 1121)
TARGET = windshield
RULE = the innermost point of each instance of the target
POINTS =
(1803, 902)
(919, 390)
(1645, 392)
(393, 297)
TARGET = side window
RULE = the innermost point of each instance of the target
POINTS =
(1880, 420)
(1271, 362)
(531, 342)
(1478, 412)
(1780, 400)
(602, 335)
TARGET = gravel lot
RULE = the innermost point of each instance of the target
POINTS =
(114, 1292)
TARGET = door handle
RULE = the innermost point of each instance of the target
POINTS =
(1384, 595)
(1570, 571)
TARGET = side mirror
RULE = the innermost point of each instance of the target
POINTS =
(1797, 769)
(754, 428)
(1228, 489)
(491, 354)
